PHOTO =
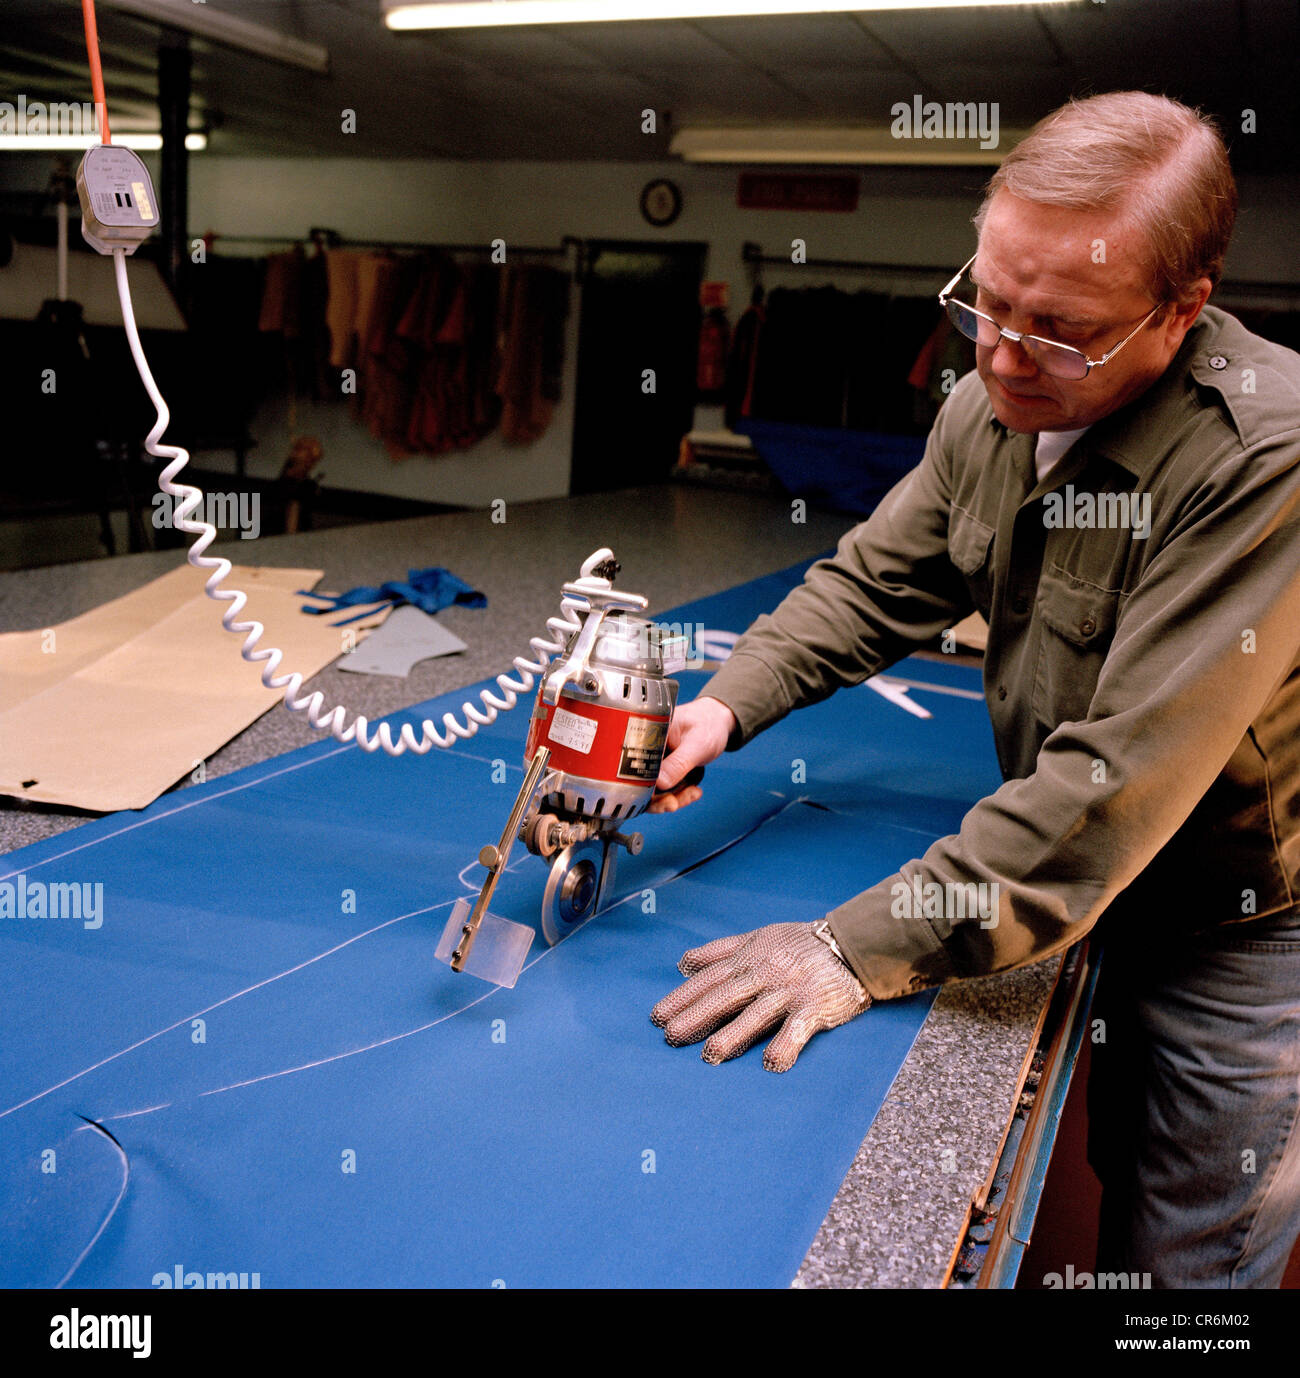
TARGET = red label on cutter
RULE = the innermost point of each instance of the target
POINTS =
(599, 743)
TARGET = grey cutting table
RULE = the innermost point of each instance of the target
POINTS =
(901, 1214)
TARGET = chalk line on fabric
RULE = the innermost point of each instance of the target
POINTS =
(208, 799)
(112, 1210)
(131, 1114)
(157, 818)
(474, 889)
(279, 976)
(442, 1019)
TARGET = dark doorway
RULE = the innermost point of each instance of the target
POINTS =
(640, 312)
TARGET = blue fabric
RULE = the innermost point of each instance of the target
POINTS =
(847, 470)
(261, 1001)
(429, 589)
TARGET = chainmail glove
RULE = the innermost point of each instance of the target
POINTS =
(783, 972)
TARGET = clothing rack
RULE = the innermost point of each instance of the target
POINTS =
(753, 255)
(1283, 296)
(1236, 289)
(917, 278)
(331, 239)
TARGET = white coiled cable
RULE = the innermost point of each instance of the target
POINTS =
(332, 721)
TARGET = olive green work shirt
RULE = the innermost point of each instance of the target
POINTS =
(1142, 672)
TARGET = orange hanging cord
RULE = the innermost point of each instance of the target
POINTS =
(96, 70)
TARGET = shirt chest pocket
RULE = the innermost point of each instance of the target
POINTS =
(1077, 623)
(970, 543)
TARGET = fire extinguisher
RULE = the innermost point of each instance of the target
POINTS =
(715, 341)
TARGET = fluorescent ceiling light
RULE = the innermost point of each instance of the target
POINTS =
(206, 22)
(476, 14)
(843, 146)
(142, 143)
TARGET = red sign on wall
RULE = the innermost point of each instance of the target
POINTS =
(797, 191)
(714, 294)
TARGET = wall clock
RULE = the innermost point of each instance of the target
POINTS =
(661, 202)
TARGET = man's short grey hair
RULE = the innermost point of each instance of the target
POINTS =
(1160, 163)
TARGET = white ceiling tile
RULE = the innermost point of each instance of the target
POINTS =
(992, 35)
(633, 45)
(533, 47)
(805, 40)
(1162, 32)
(855, 97)
(615, 91)
(1017, 90)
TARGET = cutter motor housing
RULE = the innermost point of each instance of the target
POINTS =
(607, 720)
(603, 713)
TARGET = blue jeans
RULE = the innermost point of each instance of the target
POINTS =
(1194, 1105)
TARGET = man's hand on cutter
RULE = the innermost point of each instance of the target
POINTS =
(697, 735)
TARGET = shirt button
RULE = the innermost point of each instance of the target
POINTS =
(1002, 691)
(1020, 607)
(1088, 626)
(1218, 361)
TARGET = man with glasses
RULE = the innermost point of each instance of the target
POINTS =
(1142, 677)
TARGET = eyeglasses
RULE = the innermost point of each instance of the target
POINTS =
(1060, 360)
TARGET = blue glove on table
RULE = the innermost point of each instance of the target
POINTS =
(429, 589)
